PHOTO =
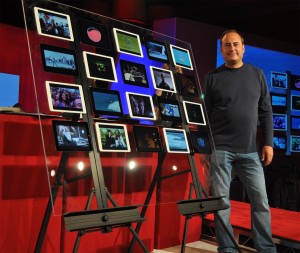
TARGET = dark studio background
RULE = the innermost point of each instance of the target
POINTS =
(279, 20)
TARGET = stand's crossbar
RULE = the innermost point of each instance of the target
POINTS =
(102, 218)
(201, 206)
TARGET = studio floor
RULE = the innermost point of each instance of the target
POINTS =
(196, 247)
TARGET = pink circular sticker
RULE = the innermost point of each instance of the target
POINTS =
(94, 34)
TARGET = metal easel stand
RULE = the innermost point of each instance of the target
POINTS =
(106, 216)
(200, 207)
(103, 219)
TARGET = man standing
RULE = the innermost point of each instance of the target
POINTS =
(237, 101)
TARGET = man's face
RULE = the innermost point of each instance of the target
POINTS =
(232, 49)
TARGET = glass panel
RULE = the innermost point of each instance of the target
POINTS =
(120, 111)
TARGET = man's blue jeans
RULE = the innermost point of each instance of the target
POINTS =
(249, 169)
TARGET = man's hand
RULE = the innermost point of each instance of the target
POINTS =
(267, 155)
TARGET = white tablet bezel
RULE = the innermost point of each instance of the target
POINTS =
(38, 24)
(136, 36)
(187, 116)
(87, 67)
(130, 108)
(68, 85)
(156, 83)
(172, 47)
(165, 130)
(110, 125)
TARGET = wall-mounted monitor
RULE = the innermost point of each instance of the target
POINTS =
(295, 143)
(112, 137)
(147, 139)
(169, 109)
(106, 102)
(295, 123)
(181, 57)
(100, 67)
(127, 42)
(295, 82)
(71, 135)
(187, 85)
(94, 34)
(59, 60)
(162, 79)
(65, 97)
(194, 113)
(200, 141)
(280, 142)
(295, 102)
(278, 101)
(156, 50)
(280, 122)
(140, 106)
(279, 80)
(176, 140)
(53, 24)
(134, 73)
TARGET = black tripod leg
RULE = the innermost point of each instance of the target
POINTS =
(135, 235)
(156, 177)
(81, 232)
(186, 222)
(76, 245)
(51, 201)
(184, 234)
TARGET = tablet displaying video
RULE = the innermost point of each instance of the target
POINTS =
(65, 97)
(112, 137)
(53, 24)
(295, 143)
(194, 113)
(59, 60)
(162, 79)
(295, 102)
(176, 140)
(169, 109)
(295, 82)
(140, 106)
(147, 139)
(134, 73)
(71, 136)
(200, 142)
(187, 85)
(127, 42)
(181, 57)
(279, 80)
(94, 34)
(295, 123)
(280, 142)
(280, 122)
(106, 102)
(100, 67)
(278, 101)
(156, 50)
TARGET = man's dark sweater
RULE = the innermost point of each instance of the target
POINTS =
(236, 100)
